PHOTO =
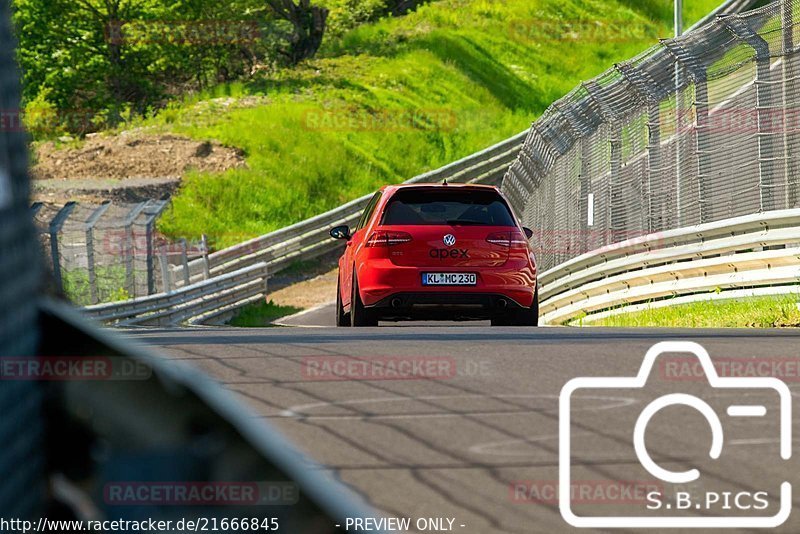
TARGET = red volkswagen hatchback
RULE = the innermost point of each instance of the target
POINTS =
(437, 252)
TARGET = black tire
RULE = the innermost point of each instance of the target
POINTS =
(342, 318)
(359, 315)
(528, 316)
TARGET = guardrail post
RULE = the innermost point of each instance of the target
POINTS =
(54, 228)
(165, 278)
(206, 266)
(266, 281)
(765, 110)
(185, 261)
(90, 264)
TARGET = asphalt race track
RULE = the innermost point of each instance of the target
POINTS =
(476, 437)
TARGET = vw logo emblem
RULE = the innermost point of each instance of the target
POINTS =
(449, 240)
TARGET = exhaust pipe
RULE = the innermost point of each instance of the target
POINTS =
(502, 303)
(396, 303)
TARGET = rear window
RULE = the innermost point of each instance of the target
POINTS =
(422, 207)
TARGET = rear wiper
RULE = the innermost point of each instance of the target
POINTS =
(460, 222)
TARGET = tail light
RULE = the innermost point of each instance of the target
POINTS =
(382, 238)
(513, 239)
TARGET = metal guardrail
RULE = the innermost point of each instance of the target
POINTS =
(758, 253)
(192, 303)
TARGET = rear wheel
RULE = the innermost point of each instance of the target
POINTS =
(521, 317)
(342, 318)
(359, 315)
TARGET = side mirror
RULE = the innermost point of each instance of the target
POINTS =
(341, 232)
(528, 232)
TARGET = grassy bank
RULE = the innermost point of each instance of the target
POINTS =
(261, 314)
(391, 99)
(761, 312)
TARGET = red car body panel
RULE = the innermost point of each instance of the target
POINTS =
(384, 271)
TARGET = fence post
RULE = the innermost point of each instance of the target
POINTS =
(90, 264)
(206, 266)
(148, 236)
(53, 229)
(158, 207)
(616, 209)
(646, 90)
(587, 198)
(765, 104)
(697, 73)
(655, 221)
(790, 73)
(577, 128)
(129, 250)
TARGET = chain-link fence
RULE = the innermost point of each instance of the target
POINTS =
(697, 129)
(110, 252)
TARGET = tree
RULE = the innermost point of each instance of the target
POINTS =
(96, 60)
(65, 50)
(308, 27)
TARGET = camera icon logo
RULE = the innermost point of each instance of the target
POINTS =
(752, 385)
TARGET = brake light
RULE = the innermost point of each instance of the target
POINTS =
(507, 239)
(382, 238)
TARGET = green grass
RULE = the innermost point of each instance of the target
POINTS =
(261, 314)
(759, 312)
(475, 71)
(110, 280)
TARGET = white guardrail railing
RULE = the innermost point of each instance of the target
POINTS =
(745, 256)
(194, 303)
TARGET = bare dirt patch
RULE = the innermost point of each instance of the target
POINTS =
(125, 166)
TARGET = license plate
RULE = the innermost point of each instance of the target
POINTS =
(449, 279)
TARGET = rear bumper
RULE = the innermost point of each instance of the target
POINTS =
(444, 306)
(381, 282)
